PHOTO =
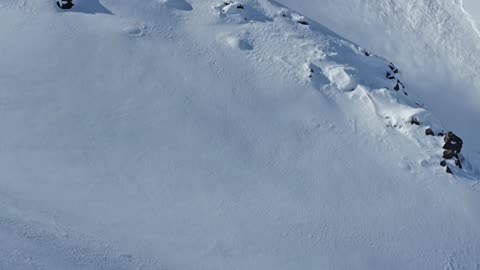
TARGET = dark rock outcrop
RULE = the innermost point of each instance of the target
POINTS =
(415, 121)
(65, 4)
(453, 142)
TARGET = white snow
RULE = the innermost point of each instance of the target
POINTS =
(203, 134)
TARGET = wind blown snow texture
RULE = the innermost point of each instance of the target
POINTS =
(194, 134)
(434, 43)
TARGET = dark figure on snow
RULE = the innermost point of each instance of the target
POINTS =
(65, 4)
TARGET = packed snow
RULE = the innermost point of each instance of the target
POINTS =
(210, 134)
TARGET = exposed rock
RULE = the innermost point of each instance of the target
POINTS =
(453, 142)
(443, 163)
(448, 154)
(393, 68)
(448, 170)
(429, 132)
(458, 163)
(65, 4)
(415, 121)
(390, 76)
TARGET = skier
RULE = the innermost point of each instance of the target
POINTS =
(65, 4)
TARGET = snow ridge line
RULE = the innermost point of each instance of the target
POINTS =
(331, 63)
(469, 18)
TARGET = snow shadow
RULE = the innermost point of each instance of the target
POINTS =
(89, 7)
(177, 4)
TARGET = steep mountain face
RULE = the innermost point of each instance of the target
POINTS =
(208, 134)
(435, 43)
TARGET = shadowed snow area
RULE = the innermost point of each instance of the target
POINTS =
(237, 135)
(472, 7)
(177, 4)
(90, 7)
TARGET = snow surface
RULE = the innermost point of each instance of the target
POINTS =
(194, 134)
(434, 43)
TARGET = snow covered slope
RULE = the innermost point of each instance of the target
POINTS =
(472, 8)
(195, 134)
(435, 43)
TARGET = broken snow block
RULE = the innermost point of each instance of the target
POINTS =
(443, 163)
(453, 142)
(390, 76)
(429, 132)
(448, 170)
(415, 121)
(458, 163)
(448, 154)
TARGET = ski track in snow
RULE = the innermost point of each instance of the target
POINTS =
(260, 165)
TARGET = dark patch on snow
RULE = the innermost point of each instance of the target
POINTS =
(415, 121)
(65, 4)
(88, 6)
